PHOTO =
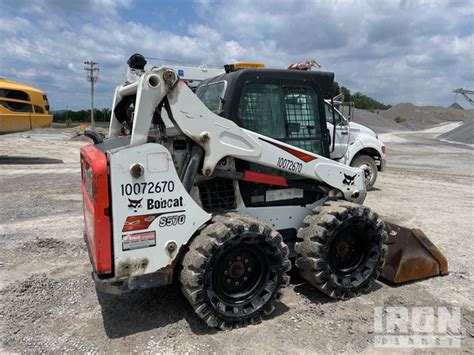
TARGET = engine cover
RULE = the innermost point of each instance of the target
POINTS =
(153, 215)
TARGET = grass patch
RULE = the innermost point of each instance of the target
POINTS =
(399, 119)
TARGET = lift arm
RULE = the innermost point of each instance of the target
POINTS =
(220, 137)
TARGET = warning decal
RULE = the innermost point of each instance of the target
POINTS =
(141, 240)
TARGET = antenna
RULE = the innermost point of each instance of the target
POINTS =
(92, 74)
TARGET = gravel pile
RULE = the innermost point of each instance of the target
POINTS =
(377, 123)
(456, 105)
(408, 117)
(420, 117)
(462, 134)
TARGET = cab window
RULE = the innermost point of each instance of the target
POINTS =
(211, 95)
(329, 110)
(39, 109)
(16, 106)
(288, 113)
(14, 94)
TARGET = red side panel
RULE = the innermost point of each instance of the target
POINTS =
(95, 195)
(263, 178)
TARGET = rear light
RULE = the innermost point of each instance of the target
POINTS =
(233, 67)
(95, 195)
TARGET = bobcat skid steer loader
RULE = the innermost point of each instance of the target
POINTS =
(224, 209)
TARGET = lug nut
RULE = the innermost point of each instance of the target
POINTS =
(226, 272)
(246, 261)
(228, 281)
(249, 269)
(237, 283)
(245, 278)
(239, 258)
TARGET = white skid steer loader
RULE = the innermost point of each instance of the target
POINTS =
(225, 209)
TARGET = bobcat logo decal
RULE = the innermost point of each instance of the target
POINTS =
(135, 204)
(348, 180)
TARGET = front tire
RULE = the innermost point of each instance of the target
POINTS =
(367, 164)
(341, 249)
(234, 271)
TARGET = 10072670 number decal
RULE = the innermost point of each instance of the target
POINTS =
(169, 221)
(289, 165)
(139, 188)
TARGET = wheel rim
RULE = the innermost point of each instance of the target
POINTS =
(248, 290)
(349, 249)
(238, 273)
(368, 173)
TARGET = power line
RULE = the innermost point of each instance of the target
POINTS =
(72, 59)
(92, 75)
(34, 50)
(180, 62)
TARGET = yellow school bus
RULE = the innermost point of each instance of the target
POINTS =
(22, 107)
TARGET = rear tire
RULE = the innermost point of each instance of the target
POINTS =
(367, 164)
(341, 249)
(234, 271)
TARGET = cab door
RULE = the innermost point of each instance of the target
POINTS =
(340, 135)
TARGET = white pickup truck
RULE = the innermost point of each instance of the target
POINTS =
(355, 144)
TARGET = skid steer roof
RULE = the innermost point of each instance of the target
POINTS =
(322, 79)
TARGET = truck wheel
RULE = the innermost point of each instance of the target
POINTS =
(367, 164)
(341, 249)
(234, 271)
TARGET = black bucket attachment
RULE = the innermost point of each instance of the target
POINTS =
(411, 256)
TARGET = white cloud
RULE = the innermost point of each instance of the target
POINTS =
(395, 52)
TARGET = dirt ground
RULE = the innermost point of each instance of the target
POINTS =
(49, 303)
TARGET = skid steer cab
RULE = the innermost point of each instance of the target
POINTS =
(271, 103)
(179, 192)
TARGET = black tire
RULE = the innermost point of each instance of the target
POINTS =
(234, 271)
(367, 164)
(341, 250)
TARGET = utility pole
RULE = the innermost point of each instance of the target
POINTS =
(92, 74)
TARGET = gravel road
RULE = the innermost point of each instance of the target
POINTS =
(49, 303)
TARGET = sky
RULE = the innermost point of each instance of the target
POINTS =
(394, 51)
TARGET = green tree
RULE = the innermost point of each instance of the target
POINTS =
(347, 94)
(333, 91)
(82, 116)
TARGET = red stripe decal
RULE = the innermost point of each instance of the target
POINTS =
(263, 178)
(134, 223)
(299, 154)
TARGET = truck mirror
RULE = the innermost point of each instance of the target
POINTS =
(351, 111)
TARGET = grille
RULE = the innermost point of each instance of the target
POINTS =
(217, 195)
(287, 113)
